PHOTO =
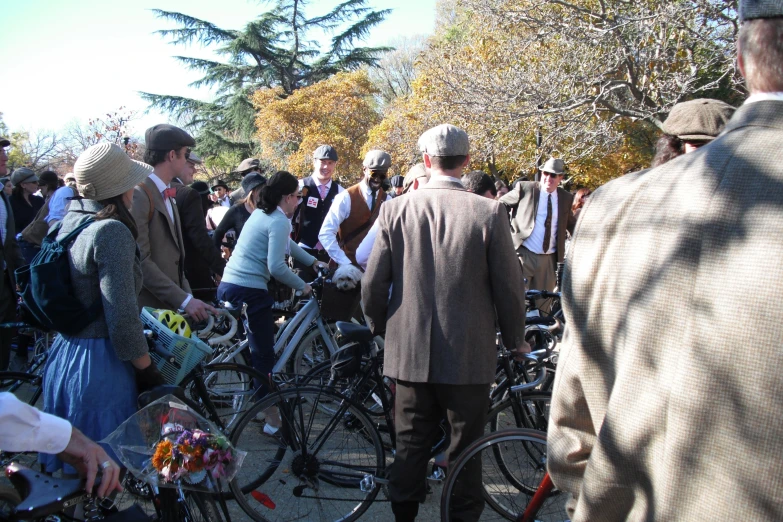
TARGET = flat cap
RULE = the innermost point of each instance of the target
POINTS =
(251, 181)
(416, 172)
(554, 166)
(445, 140)
(325, 152)
(4, 142)
(248, 165)
(397, 181)
(167, 137)
(23, 175)
(700, 120)
(377, 160)
(195, 158)
(752, 9)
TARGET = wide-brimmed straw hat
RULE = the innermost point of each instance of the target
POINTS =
(104, 171)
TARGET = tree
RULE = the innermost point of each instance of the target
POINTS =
(395, 72)
(277, 51)
(339, 111)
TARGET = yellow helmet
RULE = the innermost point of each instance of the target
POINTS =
(174, 322)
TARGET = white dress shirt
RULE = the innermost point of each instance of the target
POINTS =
(535, 243)
(364, 249)
(328, 186)
(58, 204)
(339, 212)
(224, 201)
(24, 428)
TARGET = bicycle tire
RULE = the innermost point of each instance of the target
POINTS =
(504, 499)
(319, 483)
(311, 351)
(535, 412)
(28, 387)
(9, 499)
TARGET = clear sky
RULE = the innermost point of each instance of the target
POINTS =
(67, 60)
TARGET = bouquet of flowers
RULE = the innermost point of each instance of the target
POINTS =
(168, 444)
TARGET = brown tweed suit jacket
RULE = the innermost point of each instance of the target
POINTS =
(162, 251)
(448, 257)
(667, 400)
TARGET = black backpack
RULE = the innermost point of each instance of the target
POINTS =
(46, 290)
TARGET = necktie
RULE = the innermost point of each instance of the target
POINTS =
(548, 223)
(169, 193)
(372, 201)
(322, 191)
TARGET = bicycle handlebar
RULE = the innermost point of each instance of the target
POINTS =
(534, 357)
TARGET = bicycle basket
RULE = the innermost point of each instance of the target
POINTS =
(187, 352)
(339, 305)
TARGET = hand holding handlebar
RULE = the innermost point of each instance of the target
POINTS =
(520, 351)
(87, 457)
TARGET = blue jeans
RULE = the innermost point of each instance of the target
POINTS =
(261, 333)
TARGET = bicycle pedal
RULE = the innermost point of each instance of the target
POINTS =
(438, 475)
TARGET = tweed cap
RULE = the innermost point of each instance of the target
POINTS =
(195, 158)
(167, 137)
(752, 9)
(4, 142)
(248, 165)
(23, 175)
(251, 181)
(554, 166)
(104, 171)
(445, 140)
(416, 172)
(325, 152)
(377, 160)
(699, 120)
(397, 181)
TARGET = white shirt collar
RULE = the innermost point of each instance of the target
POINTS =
(365, 188)
(328, 184)
(764, 96)
(544, 194)
(158, 182)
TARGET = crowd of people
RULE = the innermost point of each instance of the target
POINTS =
(654, 415)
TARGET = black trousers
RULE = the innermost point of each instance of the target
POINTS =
(419, 408)
(7, 314)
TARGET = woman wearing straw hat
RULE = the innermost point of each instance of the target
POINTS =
(92, 379)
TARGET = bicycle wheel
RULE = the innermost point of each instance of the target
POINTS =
(311, 351)
(229, 387)
(9, 499)
(534, 412)
(313, 468)
(27, 387)
(504, 498)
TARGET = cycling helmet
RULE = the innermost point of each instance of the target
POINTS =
(174, 322)
(346, 362)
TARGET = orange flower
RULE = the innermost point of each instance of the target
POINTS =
(162, 454)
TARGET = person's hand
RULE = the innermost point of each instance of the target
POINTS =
(87, 457)
(307, 290)
(225, 252)
(520, 351)
(199, 310)
(319, 264)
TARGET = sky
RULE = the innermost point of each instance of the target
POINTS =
(70, 60)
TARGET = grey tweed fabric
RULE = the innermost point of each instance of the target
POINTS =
(667, 401)
(105, 264)
(750, 9)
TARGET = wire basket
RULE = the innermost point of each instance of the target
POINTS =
(187, 352)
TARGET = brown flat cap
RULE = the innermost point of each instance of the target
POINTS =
(248, 165)
(698, 120)
(416, 172)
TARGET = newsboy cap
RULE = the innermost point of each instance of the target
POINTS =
(325, 152)
(418, 171)
(445, 140)
(23, 175)
(248, 164)
(4, 142)
(377, 160)
(698, 120)
(195, 158)
(554, 166)
(167, 137)
(752, 9)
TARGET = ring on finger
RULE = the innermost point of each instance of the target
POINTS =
(106, 465)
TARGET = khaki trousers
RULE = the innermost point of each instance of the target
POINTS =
(538, 269)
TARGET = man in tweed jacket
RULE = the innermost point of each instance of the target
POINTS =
(667, 398)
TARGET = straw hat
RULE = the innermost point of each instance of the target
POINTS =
(104, 171)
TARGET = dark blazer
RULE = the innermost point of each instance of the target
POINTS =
(448, 258)
(201, 255)
(11, 252)
(162, 250)
(666, 403)
(522, 203)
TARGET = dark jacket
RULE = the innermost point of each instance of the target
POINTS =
(308, 218)
(11, 252)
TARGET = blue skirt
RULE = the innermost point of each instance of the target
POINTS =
(85, 383)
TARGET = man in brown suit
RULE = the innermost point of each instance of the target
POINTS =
(447, 257)
(159, 229)
(354, 211)
(12, 259)
(660, 411)
(540, 216)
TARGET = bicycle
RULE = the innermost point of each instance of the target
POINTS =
(518, 490)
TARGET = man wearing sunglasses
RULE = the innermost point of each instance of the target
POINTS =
(160, 238)
(354, 211)
(540, 216)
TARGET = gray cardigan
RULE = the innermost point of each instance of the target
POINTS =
(105, 264)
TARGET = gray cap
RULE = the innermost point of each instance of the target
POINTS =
(248, 165)
(377, 160)
(751, 9)
(167, 137)
(554, 166)
(4, 142)
(195, 158)
(699, 120)
(23, 175)
(251, 181)
(325, 152)
(445, 140)
(416, 172)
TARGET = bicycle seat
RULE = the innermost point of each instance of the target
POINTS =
(158, 392)
(354, 332)
(43, 495)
